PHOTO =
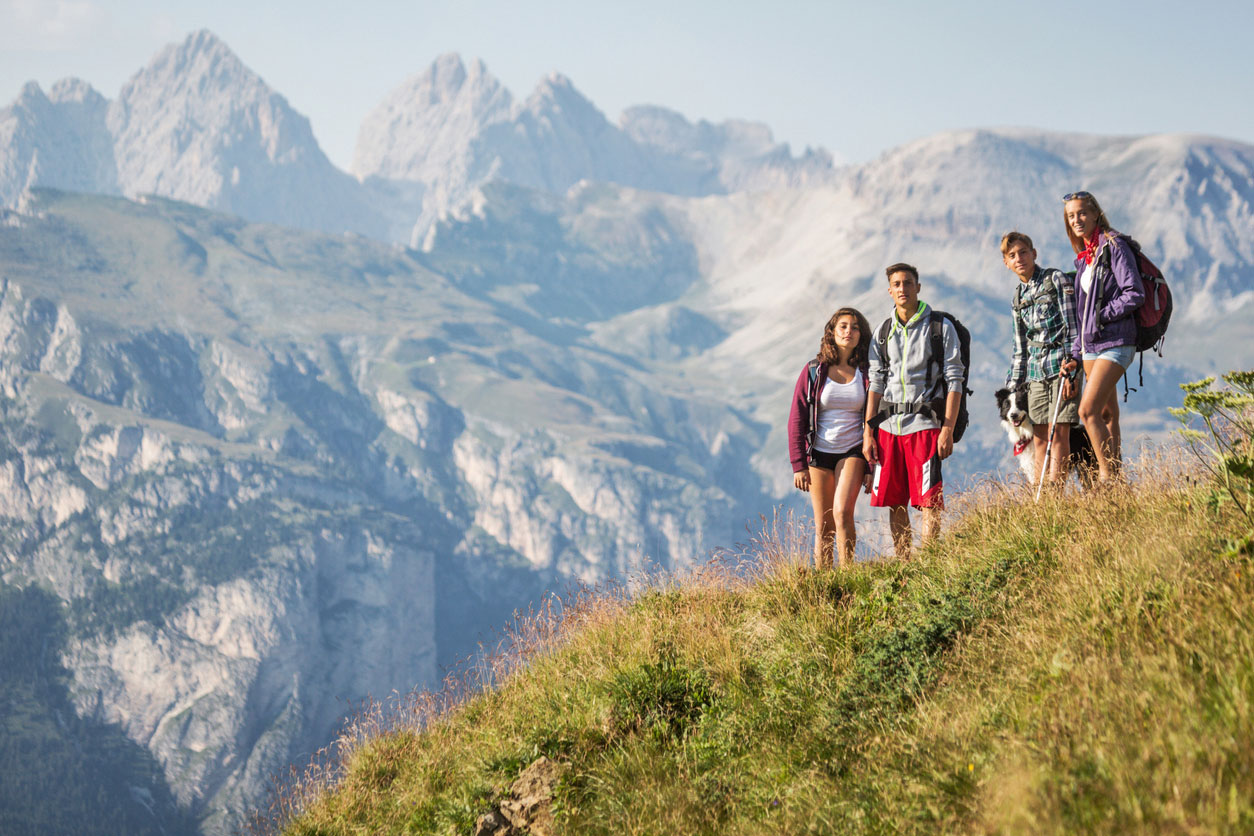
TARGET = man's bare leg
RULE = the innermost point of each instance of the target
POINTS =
(1060, 455)
(931, 524)
(899, 525)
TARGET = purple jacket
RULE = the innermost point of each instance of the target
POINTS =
(1104, 315)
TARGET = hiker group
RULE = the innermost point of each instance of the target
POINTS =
(880, 410)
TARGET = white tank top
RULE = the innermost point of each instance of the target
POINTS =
(1086, 278)
(841, 410)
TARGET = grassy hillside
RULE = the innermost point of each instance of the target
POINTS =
(1081, 665)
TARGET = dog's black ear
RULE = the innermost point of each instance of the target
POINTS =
(1001, 394)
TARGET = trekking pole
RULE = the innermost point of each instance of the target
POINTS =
(1053, 426)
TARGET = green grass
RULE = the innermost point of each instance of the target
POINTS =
(1081, 665)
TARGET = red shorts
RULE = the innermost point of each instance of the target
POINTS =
(909, 471)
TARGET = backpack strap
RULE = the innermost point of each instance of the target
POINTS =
(928, 408)
(937, 346)
(881, 337)
(812, 373)
(1056, 292)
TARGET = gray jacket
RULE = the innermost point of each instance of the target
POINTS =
(901, 376)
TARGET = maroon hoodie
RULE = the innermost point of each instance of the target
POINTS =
(804, 415)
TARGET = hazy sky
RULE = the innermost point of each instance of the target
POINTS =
(856, 78)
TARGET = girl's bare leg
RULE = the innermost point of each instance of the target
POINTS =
(822, 495)
(848, 482)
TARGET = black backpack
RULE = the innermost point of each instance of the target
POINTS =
(935, 408)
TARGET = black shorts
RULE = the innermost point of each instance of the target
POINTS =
(828, 461)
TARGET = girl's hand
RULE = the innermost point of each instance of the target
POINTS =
(801, 479)
(866, 482)
(870, 449)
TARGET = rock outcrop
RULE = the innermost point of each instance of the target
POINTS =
(528, 807)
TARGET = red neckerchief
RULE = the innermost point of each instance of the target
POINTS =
(1090, 248)
(1021, 445)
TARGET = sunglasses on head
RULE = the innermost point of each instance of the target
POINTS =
(1075, 196)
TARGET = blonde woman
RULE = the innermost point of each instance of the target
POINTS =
(1108, 290)
(825, 433)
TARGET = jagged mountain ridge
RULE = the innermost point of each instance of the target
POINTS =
(453, 128)
(197, 125)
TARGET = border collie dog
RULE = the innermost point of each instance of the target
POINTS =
(1012, 404)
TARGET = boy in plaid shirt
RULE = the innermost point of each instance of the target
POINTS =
(1043, 314)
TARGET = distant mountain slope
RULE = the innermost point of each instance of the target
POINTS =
(763, 270)
(197, 125)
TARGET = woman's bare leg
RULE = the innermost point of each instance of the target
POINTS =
(1110, 415)
(848, 482)
(1099, 412)
(822, 494)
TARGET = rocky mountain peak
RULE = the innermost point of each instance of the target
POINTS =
(198, 125)
(200, 87)
(31, 92)
(443, 80)
(429, 122)
(203, 51)
(557, 94)
(76, 91)
(57, 140)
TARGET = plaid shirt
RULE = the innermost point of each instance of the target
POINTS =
(1043, 314)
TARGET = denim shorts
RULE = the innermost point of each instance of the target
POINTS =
(1121, 354)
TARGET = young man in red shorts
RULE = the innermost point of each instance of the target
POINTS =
(911, 410)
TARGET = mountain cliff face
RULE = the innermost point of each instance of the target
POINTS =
(271, 472)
